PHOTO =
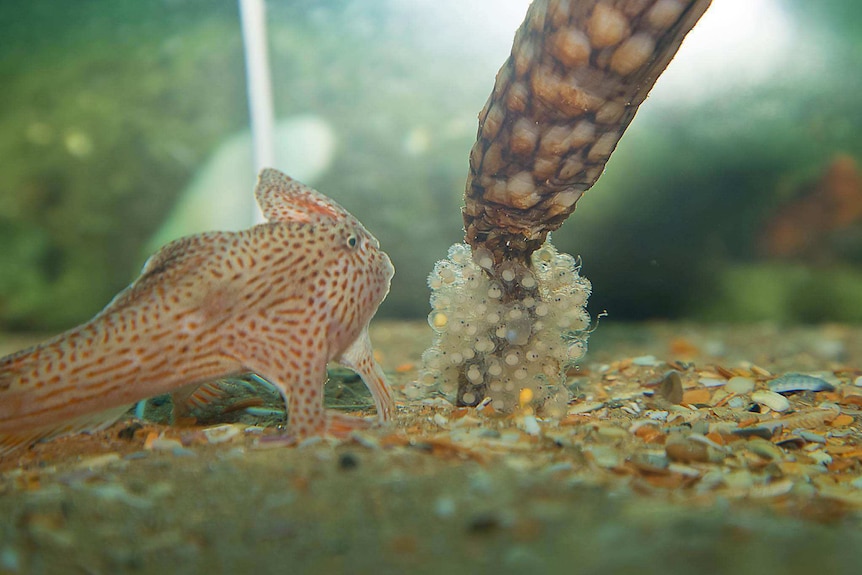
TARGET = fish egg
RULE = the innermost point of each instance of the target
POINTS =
(431, 357)
(483, 344)
(520, 373)
(438, 320)
(428, 377)
(528, 282)
(468, 353)
(469, 398)
(495, 368)
(575, 350)
(496, 386)
(538, 326)
(512, 358)
(515, 313)
(474, 375)
(578, 297)
(544, 254)
(456, 358)
(492, 317)
(447, 275)
(501, 331)
(528, 302)
(460, 254)
(531, 355)
(542, 309)
(494, 292)
(508, 275)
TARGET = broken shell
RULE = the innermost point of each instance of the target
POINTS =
(770, 399)
(791, 382)
(670, 387)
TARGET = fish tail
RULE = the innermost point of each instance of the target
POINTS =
(57, 387)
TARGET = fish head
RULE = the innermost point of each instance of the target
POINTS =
(350, 252)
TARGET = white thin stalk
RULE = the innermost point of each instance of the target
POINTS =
(258, 84)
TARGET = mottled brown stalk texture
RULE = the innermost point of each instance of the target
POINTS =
(577, 73)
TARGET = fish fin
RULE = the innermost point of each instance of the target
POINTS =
(192, 397)
(10, 441)
(360, 358)
(283, 199)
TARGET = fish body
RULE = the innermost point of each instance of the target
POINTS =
(280, 299)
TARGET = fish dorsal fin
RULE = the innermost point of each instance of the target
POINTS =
(283, 199)
(10, 441)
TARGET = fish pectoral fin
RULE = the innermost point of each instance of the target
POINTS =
(193, 397)
(340, 425)
(360, 358)
(12, 440)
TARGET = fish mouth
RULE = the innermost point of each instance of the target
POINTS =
(387, 267)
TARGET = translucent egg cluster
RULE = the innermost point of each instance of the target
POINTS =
(509, 338)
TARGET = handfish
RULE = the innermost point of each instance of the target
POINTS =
(280, 300)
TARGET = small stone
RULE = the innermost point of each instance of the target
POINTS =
(221, 433)
(646, 361)
(696, 396)
(484, 523)
(740, 385)
(348, 461)
(680, 448)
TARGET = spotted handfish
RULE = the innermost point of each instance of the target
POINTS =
(280, 299)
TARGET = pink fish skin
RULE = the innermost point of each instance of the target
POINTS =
(280, 299)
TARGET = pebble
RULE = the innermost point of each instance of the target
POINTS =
(348, 461)
(585, 407)
(646, 361)
(445, 507)
(858, 381)
(605, 456)
(680, 448)
(740, 385)
(657, 415)
(221, 433)
(770, 399)
(531, 425)
(164, 444)
(736, 403)
(820, 457)
(9, 560)
(650, 462)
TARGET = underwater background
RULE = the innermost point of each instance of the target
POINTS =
(736, 194)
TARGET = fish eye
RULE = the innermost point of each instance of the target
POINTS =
(352, 241)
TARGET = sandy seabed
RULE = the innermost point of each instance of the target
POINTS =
(705, 471)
